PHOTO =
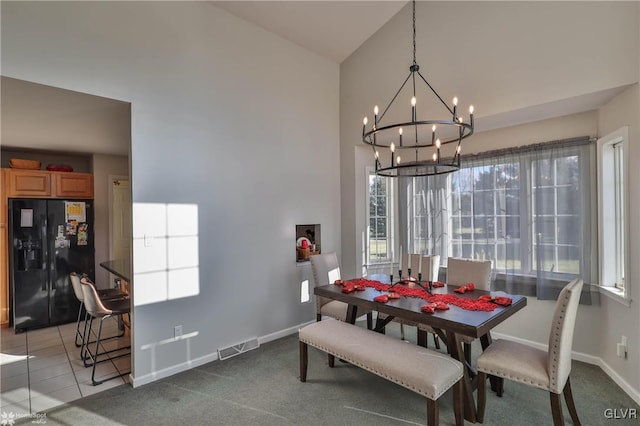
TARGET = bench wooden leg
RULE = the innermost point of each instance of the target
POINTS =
(482, 395)
(370, 321)
(332, 360)
(304, 361)
(432, 412)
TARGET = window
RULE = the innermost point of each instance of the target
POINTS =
(527, 209)
(380, 219)
(612, 221)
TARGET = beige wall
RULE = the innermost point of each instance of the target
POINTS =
(617, 319)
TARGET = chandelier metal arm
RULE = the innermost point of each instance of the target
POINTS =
(394, 98)
(434, 92)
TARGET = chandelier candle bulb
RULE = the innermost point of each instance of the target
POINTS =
(375, 116)
(455, 108)
(400, 133)
(393, 149)
(471, 115)
(413, 109)
(433, 134)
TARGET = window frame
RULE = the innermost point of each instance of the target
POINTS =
(390, 218)
(610, 231)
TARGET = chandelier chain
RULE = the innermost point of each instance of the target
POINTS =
(414, 33)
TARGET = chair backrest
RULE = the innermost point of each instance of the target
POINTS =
(77, 287)
(463, 271)
(415, 258)
(92, 302)
(430, 267)
(325, 270)
(561, 335)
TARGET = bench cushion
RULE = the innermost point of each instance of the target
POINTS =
(421, 370)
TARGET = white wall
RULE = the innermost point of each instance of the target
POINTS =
(225, 117)
(541, 53)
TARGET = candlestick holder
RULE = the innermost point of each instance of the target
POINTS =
(393, 284)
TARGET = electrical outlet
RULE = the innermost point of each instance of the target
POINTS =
(148, 240)
(177, 331)
(621, 348)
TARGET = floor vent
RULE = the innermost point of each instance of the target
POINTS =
(228, 352)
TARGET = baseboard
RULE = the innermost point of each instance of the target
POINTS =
(179, 368)
(589, 359)
(174, 369)
(282, 333)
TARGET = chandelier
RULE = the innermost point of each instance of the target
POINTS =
(429, 146)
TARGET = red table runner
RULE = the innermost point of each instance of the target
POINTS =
(452, 299)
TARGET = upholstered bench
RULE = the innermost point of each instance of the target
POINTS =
(421, 370)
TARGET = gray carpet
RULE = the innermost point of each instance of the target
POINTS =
(262, 387)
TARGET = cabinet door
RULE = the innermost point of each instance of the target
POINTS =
(73, 185)
(28, 183)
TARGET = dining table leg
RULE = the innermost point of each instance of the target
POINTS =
(352, 314)
(454, 346)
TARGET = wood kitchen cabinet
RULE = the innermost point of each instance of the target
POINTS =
(72, 185)
(45, 184)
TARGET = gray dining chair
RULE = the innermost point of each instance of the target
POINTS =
(548, 370)
(463, 271)
(326, 270)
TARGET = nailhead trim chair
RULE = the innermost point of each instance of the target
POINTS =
(325, 271)
(548, 370)
(463, 271)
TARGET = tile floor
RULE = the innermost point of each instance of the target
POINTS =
(41, 369)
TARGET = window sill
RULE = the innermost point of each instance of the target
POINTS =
(615, 294)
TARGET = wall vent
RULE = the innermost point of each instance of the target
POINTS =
(228, 352)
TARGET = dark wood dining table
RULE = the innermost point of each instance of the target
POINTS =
(449, 324)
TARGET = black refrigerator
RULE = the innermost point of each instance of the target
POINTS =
(48, 240)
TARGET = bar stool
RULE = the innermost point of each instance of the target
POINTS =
(106, 294)
(97, 308)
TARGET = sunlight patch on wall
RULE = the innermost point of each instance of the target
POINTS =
(165, 252)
